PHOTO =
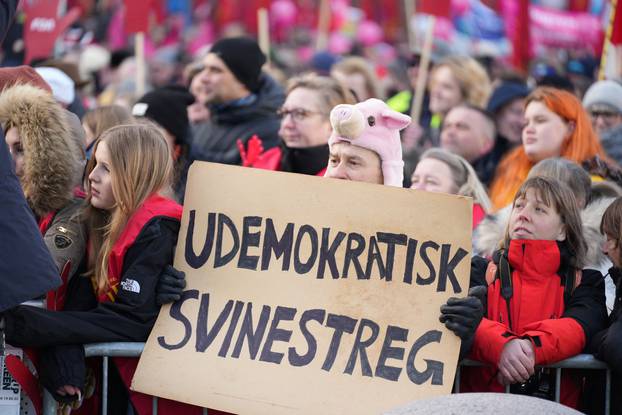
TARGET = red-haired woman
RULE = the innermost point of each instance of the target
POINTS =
(556, 126)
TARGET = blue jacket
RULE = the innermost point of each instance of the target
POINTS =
(27, 270)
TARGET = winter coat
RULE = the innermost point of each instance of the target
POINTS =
(606, 344)
(611, 141)
(7, 13)
(216, 139)
(486, 165)
(26, 266)
(145, 247)
(491, 231)
(52, 157)
(311, 161)
(52, 164)
(544, 307)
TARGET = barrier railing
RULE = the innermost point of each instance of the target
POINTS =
(107, 350)
(582, 361)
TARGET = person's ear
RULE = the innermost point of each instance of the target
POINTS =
(561, 236)
(571, 126)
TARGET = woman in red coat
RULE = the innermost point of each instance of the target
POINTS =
(542, 307)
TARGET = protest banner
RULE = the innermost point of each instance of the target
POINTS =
(309, 294)
(43, 25)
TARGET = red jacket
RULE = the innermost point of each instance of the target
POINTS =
(478, 214)
(539, 312)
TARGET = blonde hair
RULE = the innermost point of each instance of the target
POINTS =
(474, 82)
(100, 119)
(464, 177)
(353, 65)
(557, 195)
(329, 90)
(140, 165)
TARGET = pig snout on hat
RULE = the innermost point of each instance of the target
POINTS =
(374, 126)
(347, 121)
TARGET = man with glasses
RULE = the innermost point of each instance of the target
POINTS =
(603, 101)
(242, 100)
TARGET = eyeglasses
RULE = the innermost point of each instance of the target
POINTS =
(607, 115)
(298, 114)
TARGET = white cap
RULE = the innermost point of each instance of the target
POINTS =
(63, 88)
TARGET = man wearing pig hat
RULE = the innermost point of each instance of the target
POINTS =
(365, 147)
(365, 144)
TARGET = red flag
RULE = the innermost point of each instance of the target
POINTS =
(43, 26)
(521, 50)
(616, 33)
(137, 15)
(438, 8)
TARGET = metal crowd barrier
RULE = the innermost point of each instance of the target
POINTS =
(582, 361)
(107, 350)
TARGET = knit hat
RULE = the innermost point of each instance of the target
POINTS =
(505, 94)
(22, 75)
(372, 125)
(243, 58)
(167, 107)
(604, 92)
(70, 69)
(63, 87)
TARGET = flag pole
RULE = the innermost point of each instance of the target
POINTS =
(323, 26)
(139, 51)
(264, 32)
(607, 43)
(422, 77)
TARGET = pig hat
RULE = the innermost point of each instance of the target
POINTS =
(372, 125)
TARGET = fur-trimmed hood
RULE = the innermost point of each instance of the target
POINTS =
(491, 231)
(51, 156)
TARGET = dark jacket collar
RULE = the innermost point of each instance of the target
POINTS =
(268, 100)
(309, 160)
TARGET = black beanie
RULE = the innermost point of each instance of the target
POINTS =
(167, 106)
(243, 58)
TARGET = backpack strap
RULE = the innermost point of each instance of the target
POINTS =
(507, 291)
(503, 272)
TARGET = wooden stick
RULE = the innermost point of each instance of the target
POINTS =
(263, 29)
(607, 44)
(422, 77)
(139, 52)
(409, 12)
(323, 26)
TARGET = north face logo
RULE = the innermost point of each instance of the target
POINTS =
(130, 285)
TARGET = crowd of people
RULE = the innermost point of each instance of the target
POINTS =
(95, 179)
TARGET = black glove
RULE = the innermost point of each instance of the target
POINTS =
(462, 315)
(62, 365)
(171, 284)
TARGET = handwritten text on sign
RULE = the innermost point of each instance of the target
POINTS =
(326, 298)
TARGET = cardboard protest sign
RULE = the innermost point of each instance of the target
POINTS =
(308, 293)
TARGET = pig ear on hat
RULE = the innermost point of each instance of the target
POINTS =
(394, 119)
